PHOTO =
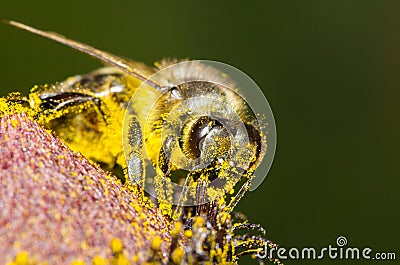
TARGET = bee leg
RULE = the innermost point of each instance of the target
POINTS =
(201, 196)
(250, 226)
(182, 198)
(254, 244)
(134, 159)
(239, 195)
(197, 203)
(163, 185)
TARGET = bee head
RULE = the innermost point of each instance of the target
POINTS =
(199, 133)
(207, 130)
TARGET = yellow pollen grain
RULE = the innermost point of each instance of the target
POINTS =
(156, 243)
(22, 258)
(116, 245)
(98, 260)
(177, 229)
(78, 262)
(188, 233)
(177, 255)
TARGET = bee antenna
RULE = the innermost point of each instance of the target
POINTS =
(108, 58)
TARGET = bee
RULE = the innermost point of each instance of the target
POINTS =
(188, 138)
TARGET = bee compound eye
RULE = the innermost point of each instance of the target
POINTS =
(200, 138)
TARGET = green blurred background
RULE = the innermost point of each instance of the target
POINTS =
(330, 70)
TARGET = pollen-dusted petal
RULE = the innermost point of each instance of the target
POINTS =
(57, 207)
